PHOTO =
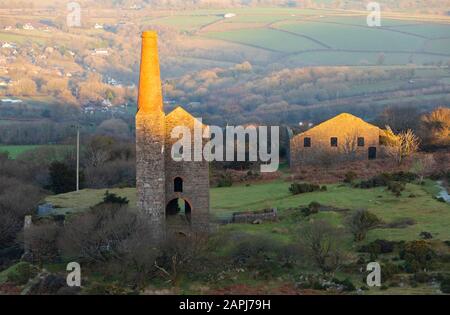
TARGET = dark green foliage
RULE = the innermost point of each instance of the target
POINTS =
(225, 180)
(347, 284)
(388, 270)
(426, 235)
(378, 247)
(301, 188)
(400, 223)
(101, 288)
(22, 273)
(360, 222)
(418, 255)
(396, 188)
(62, 178)
(384, 179)
(313, 208)
(445, 285)
(264, 255)
(114, 199)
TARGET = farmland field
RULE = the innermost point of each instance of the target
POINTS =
(16, 150)
(225, 201)
(334, 37)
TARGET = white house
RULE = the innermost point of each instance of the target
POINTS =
(8, 45)
(100, 51)
(229, 15)
(98, 26)
(28, 27)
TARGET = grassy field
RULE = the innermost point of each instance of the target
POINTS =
(416, 203)
(16, 150)
(342, 37)
(431, 215)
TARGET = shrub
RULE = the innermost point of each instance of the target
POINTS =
(114, 199)
(324, 243)
(388, 270)
(378, 247)
(98, 288)
(400, 223)
(445, 285)
(396, 188)
(384, 179)
(258, 253)
(349, 177)
(347, 284)
(422, 277)
(426, 235)
(301, 188)
(313, 208)
(22, 273)
(418, 255)
(43, 242)
(225, 180)
(360, 222)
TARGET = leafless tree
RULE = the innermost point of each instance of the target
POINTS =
(179, 254)
(400, 146)
(324, 243)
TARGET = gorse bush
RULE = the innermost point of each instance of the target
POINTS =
(418, 256)
(225, 180)
(313, 208)
(378, 247)
(301, 188)
(384, 179)
(22, 273)
(396, 188)
(112, 198)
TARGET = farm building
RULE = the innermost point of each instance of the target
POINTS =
(344, 136)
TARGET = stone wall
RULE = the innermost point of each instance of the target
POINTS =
(255, 216)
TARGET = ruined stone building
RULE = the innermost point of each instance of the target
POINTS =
(165, 188)
(344, 136)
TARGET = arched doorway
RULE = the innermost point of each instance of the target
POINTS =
(178, 211)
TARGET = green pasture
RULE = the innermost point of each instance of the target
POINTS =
(417, 202)
(269, 39)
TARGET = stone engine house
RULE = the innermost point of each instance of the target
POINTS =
(166, 189)
(342, 136)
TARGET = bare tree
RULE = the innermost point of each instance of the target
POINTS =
(179, 254)
(423, 166)
(400, 146)
(323, 241)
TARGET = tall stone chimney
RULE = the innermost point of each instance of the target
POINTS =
(150, 92)
(150, 134)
